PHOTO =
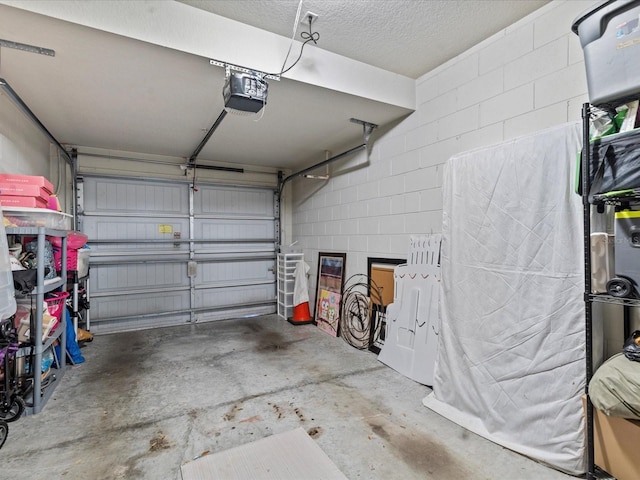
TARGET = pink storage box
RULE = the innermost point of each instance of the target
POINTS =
(17, 201)
(27, 180)
(23, 190)
(54, 204)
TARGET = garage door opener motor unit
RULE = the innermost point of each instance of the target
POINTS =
(245, 92)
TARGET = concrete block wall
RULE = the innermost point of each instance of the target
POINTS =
(527, 77)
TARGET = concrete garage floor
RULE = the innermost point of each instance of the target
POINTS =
(146, 402)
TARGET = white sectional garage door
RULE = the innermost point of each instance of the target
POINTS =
(162, 254)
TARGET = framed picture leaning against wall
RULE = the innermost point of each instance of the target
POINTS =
(331, 270)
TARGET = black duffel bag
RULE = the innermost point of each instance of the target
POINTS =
(24, 281)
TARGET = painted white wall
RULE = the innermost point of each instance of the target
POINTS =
(23, 148)
(528, 77)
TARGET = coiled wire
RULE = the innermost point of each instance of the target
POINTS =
(358, 295)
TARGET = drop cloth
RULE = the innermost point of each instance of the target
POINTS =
(511, 356)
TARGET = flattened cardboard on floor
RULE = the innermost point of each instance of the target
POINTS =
(285, 456)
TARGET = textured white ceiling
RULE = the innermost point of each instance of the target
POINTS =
(108, 89)
(408, 37)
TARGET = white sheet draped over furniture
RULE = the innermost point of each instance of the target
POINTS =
(511, 356)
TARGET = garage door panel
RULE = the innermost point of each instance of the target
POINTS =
(220, 229)
(139, 229)
(234, 249)
(210, 200)
(233, 296)
(245, 272)
(134, 196)
(111, 322)
(140, 304)
(140, 274)
(120, 277)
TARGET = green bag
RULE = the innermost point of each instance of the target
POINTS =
(614, 389)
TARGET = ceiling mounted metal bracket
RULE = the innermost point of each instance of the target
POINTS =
(325, 175)
(27, 48)
(229, 66)
(367, 128)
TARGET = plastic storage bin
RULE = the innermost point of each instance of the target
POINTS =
(77, 260)
(7, 292)
(615, 162)
(83, 262)
(610, 37)
(55, 303)
(37, 217)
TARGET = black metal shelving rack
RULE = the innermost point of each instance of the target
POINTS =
(588, 306)
(593, 471)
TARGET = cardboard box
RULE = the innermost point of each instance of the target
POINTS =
(615, 446)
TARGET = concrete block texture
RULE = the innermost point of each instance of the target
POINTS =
(540, 62)
(528, 77)
(557, 20)
(507, 105)
(507, 49)
(482, 88)
(561, 85)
